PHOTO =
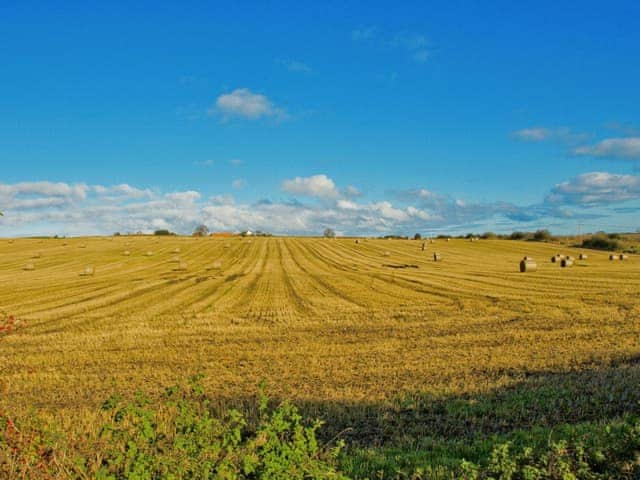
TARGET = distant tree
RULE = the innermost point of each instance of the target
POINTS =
(329, 233)
(487, 235)
(542, 235)
(117, 234)
(201, 231)
(417, 236)
(162, 232)
(518, 236)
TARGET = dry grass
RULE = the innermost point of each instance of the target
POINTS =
(322, 322)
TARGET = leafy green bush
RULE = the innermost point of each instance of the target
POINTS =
(175, 438)
(542, 235)
(601, 242)
(616, 455)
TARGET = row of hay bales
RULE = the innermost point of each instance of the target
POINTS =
(528, 264)
(566, 260)
(437, 256)
(90, 271)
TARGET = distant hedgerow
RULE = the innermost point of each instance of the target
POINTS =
(601, 242)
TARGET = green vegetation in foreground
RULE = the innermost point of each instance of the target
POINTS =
(177, 437)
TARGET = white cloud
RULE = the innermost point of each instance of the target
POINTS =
(351, 191)
(222, 199)
(319, 186)
(562, 135)
(42, 208)
(363, 34)
(159, 224)
(190, 196)
(242, 103)
(236, 162)
(596, 188)
(206, 163)
(131, 192)
(535, 134)
(414, 44)
(628, 147)
(295, 66)
(76, 190)
(238, 183)
(347, 205)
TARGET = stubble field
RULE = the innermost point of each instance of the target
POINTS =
(373, 337)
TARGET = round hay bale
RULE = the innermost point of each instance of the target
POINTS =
(175, 259)
(528, 264)
(83, 245)
(357, 241)
(176, 250)
(614, 256)
(583, 256)
(29, 266)
(37, 255)
(386, 254)
(623, 256)
(126, 253)
(181, 266)
(149, 253)
(88, 271)
(437, 257)
(566, 262)
(448, 239)
(216, 265)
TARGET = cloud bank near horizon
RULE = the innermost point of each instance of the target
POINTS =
(314, 203)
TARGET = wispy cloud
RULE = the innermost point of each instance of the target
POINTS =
(206, 163)
(243, 103)
(625, 148)
(363, 34)
(563, 135)
(534, 134)
(238, 184)
(414, 44)
(295, 66)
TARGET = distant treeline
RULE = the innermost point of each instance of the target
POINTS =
(596, 241)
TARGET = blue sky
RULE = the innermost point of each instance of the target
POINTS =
(292, 116)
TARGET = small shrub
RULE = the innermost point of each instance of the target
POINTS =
(614, 455)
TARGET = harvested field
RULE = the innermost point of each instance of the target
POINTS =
(325, 323)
